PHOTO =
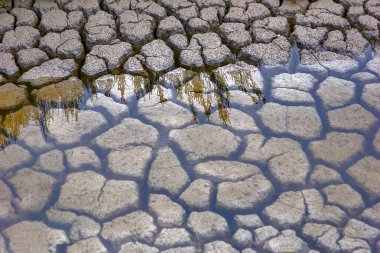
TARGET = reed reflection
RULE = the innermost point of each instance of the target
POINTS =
(202, 92)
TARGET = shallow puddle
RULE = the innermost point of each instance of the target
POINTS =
(267, 152)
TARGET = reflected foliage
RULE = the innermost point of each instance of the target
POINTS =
(203, 92)
(121, 85)
(65, 94)
(211, 89)
(13, 123)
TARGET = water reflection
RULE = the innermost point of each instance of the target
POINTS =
(13, 123)
(3, 140)
(201, 92)
(65, 94)
(261, 146)
(243, 80)
(123, 85)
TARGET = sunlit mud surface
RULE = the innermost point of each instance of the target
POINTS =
(238, 159)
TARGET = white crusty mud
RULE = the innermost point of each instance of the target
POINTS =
(189, 126)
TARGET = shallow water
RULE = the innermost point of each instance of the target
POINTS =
(206, 101)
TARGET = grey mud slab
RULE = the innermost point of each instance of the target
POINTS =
(189, 126)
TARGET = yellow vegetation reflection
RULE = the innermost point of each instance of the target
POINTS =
(122, 85)
(202, 92)
(212, 89)
(13, 123)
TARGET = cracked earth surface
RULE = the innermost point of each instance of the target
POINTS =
(189, 126)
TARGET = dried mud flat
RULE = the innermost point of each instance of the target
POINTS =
(189, 126)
